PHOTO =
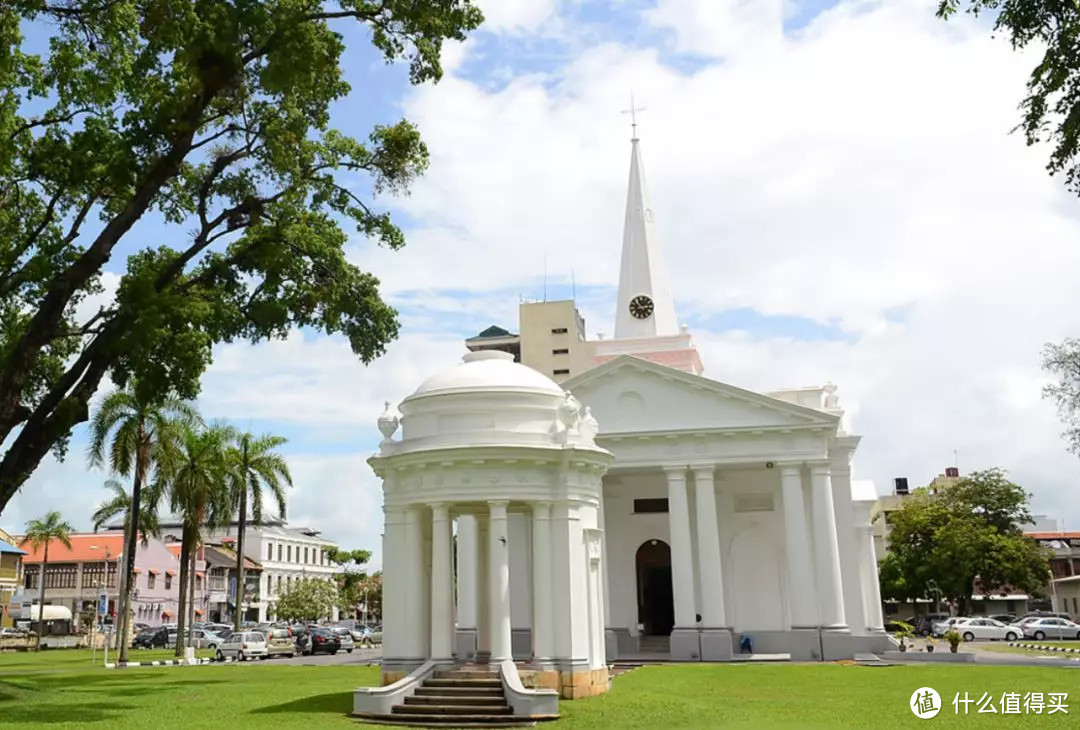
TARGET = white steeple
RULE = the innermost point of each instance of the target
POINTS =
(645, 307)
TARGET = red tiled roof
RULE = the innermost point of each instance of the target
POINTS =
(174, 548)
(1053, 535)
(87, 548)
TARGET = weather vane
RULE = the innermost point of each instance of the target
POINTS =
(632, 111)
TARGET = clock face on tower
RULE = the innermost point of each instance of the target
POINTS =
(641, 307)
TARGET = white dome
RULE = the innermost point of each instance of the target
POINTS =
(488, 371)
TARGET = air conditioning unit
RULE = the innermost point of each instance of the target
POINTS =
(901, 485)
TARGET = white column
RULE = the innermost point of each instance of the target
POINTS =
(871, 583)
(499, 579)
(682, 577)
(800, 570)
(415, 587)
(483, 587)
(542, 592)
(830, 584)
(442, 577)
(708, 534)
(466, 572)
(395, 631)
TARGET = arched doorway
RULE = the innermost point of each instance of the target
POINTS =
(656, 606)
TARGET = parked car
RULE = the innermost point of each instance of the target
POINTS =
(345, 637)
(924, 625)
(940, 628)
(154, 638)
(280, 642)
(319, 641)
(1046, 614)
(1052, 628)
(205, 639)
(243, 645)
(1005, 618)
(985, 628)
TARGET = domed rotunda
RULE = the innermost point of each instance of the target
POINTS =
(502, 457)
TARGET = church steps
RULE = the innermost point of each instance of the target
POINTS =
(459, 697)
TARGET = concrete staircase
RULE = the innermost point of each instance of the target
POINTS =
(462, 696)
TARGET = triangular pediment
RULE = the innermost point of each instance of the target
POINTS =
(632, 395)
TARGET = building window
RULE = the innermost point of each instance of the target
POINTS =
(269, 584)
(168, 581)
(269, 551)
(650, 506)
(198, 582)
(305, 555)
(30, 577)
(60, 576)
(279, 584)
(562, 371)
(561, 351)
(151, 579)
(558, 331)
(1010, 606)
(279, 552)
(288, 553)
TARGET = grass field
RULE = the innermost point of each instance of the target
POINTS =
(688, 696)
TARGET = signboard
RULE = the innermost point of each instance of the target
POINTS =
(103, 603)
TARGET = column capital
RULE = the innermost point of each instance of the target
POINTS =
(541, 510)
(704, 470)
(439, 510)
(791, 468)
(820, 468)
(498, 503)
(675, 472)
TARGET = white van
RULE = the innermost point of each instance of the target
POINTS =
(243, 645)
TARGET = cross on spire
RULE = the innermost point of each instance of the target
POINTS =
(632, 111)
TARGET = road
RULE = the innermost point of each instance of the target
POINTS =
(358, 657)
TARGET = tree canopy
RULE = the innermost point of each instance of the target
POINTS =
(210, 118)
(309, 599)
(965, 536)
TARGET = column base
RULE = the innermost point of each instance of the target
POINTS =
(875, 641)
(804, 644)
(837, 644)
(465, 644)
(685, 644)
(716, 645)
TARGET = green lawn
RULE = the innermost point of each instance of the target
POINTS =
(265, 695)
(73, 659)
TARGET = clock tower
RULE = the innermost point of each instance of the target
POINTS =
(645, 322)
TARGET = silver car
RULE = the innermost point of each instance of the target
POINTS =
(347, 643)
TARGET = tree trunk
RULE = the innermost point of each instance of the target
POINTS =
(181, 608)
(131, 541)
(41, 595)
(240, 529)
(191, 594)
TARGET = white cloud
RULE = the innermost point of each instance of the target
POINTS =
(720, 28)
(516, 16)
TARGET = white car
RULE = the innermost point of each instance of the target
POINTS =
(939, 628)
(1052, 627)
(985, 628)
(243, 645)
(204, 639)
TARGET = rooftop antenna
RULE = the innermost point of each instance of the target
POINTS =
(956, 459)
(632, 111)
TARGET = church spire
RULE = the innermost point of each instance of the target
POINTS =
(645, 307)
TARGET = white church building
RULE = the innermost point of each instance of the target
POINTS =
(636, 508)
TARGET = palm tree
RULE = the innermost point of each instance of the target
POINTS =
(143, 430)
(39, 533)
(199, 494)
(120, 504)
(252, 466)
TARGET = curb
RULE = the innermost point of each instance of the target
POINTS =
(168, 663)
(1044, 647)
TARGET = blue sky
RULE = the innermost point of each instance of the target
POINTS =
(835, 190)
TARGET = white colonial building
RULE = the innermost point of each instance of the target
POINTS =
(714, 520)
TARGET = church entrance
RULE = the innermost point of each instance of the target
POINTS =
(656, 605)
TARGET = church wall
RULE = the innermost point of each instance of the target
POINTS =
(753, 553)
(625, 534)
